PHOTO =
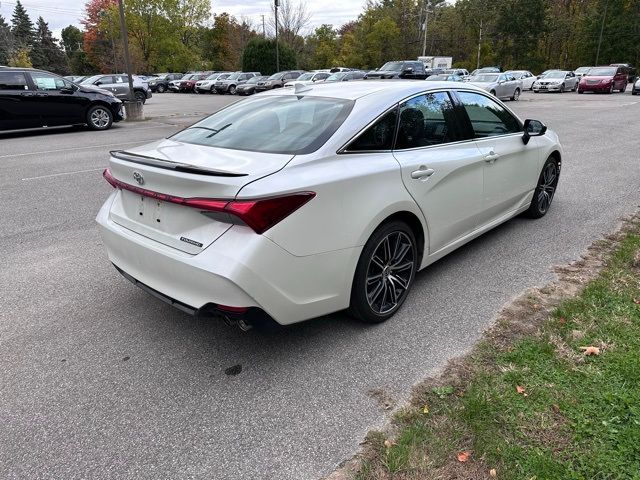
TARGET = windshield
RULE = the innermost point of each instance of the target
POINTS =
(90, 80)
(437, 78)
(222, 76)
(187, 77)
(306, 76)
(582, 69)
(256, 79)
(555, 75)
(213, 76)
(392, 67)
(602, 71)
(234, 76)
(277, 76)
(275, 124)
(336, 77)
(484, 78)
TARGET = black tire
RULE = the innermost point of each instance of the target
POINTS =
(393, 243)
(516, 95)
(624, 88)
(232, 90)
(99, 117)
(562, 88)
(160, 89)
(213, 90)
(140, 96)
(545, 189)
(580, 91)
(611, 88)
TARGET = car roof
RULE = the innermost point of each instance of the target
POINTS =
(374, 88)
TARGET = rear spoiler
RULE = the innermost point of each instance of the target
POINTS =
(169, 165)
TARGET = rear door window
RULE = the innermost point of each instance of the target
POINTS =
(487, 117)
(13, 81)
(427, 120)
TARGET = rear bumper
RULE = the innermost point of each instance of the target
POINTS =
(239, 269)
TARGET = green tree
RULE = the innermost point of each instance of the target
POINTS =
(20, 58)
(6, 41)
(260, 56)
(45, 53)
(323, 47)
(22, 27)
(72, 39)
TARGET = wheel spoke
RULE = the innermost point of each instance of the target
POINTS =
(400, 255)
(387, 249)
(399, 280)
(401, 267)
(376, 293)
(373, 278)
(378, 262)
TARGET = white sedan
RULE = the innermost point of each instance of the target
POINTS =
(300, 202)
(525, 76)
(556, 81)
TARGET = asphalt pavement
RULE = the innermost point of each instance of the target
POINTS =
(98, 380)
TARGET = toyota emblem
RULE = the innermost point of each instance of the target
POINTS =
(137, 176)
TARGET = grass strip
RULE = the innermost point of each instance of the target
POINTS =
(531, 401)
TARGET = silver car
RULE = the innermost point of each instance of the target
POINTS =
(501, 85)
(119, 86)
(556, 81)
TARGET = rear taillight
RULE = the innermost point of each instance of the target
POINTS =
(259, 214)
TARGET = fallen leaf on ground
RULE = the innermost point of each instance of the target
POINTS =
(389, 443)
(464, 456)
(493, 473)
(636, 301)
(590, 350)
(425, 409)
(562, 320)
(555, 408)
(521, 391)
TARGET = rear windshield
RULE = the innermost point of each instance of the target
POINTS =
(273, 124)
(602, 71)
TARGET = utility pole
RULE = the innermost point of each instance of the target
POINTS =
(276, 4)
(604, 17)
(424, 27)
(479, 44)
(134, 111)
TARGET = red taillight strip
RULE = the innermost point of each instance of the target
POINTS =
(259, 214)
(209, 204)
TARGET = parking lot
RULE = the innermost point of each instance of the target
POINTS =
(100, 380)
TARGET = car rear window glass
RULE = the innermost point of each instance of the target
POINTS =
(13, 81)
(488, 118)
(290, 124)
(427, 120)
(377, 137)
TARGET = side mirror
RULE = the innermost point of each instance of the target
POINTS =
(533, 128)
(67, 90)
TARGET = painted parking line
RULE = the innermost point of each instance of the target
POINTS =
(62, 174)
(88, 147)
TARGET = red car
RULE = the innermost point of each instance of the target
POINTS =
(604, 79)
(189, 85)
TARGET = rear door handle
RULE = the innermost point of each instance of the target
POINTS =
(27, 94)
(422, 172)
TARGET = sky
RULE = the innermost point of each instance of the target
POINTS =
(61, 13)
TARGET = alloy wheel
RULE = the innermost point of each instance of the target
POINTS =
(389, 272)
(547, 186)
(99, 118)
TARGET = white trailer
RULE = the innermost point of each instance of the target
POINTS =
(436, 62)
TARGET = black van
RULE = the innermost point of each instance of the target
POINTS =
(31, 98)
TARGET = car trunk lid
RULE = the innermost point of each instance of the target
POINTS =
(167, 170)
